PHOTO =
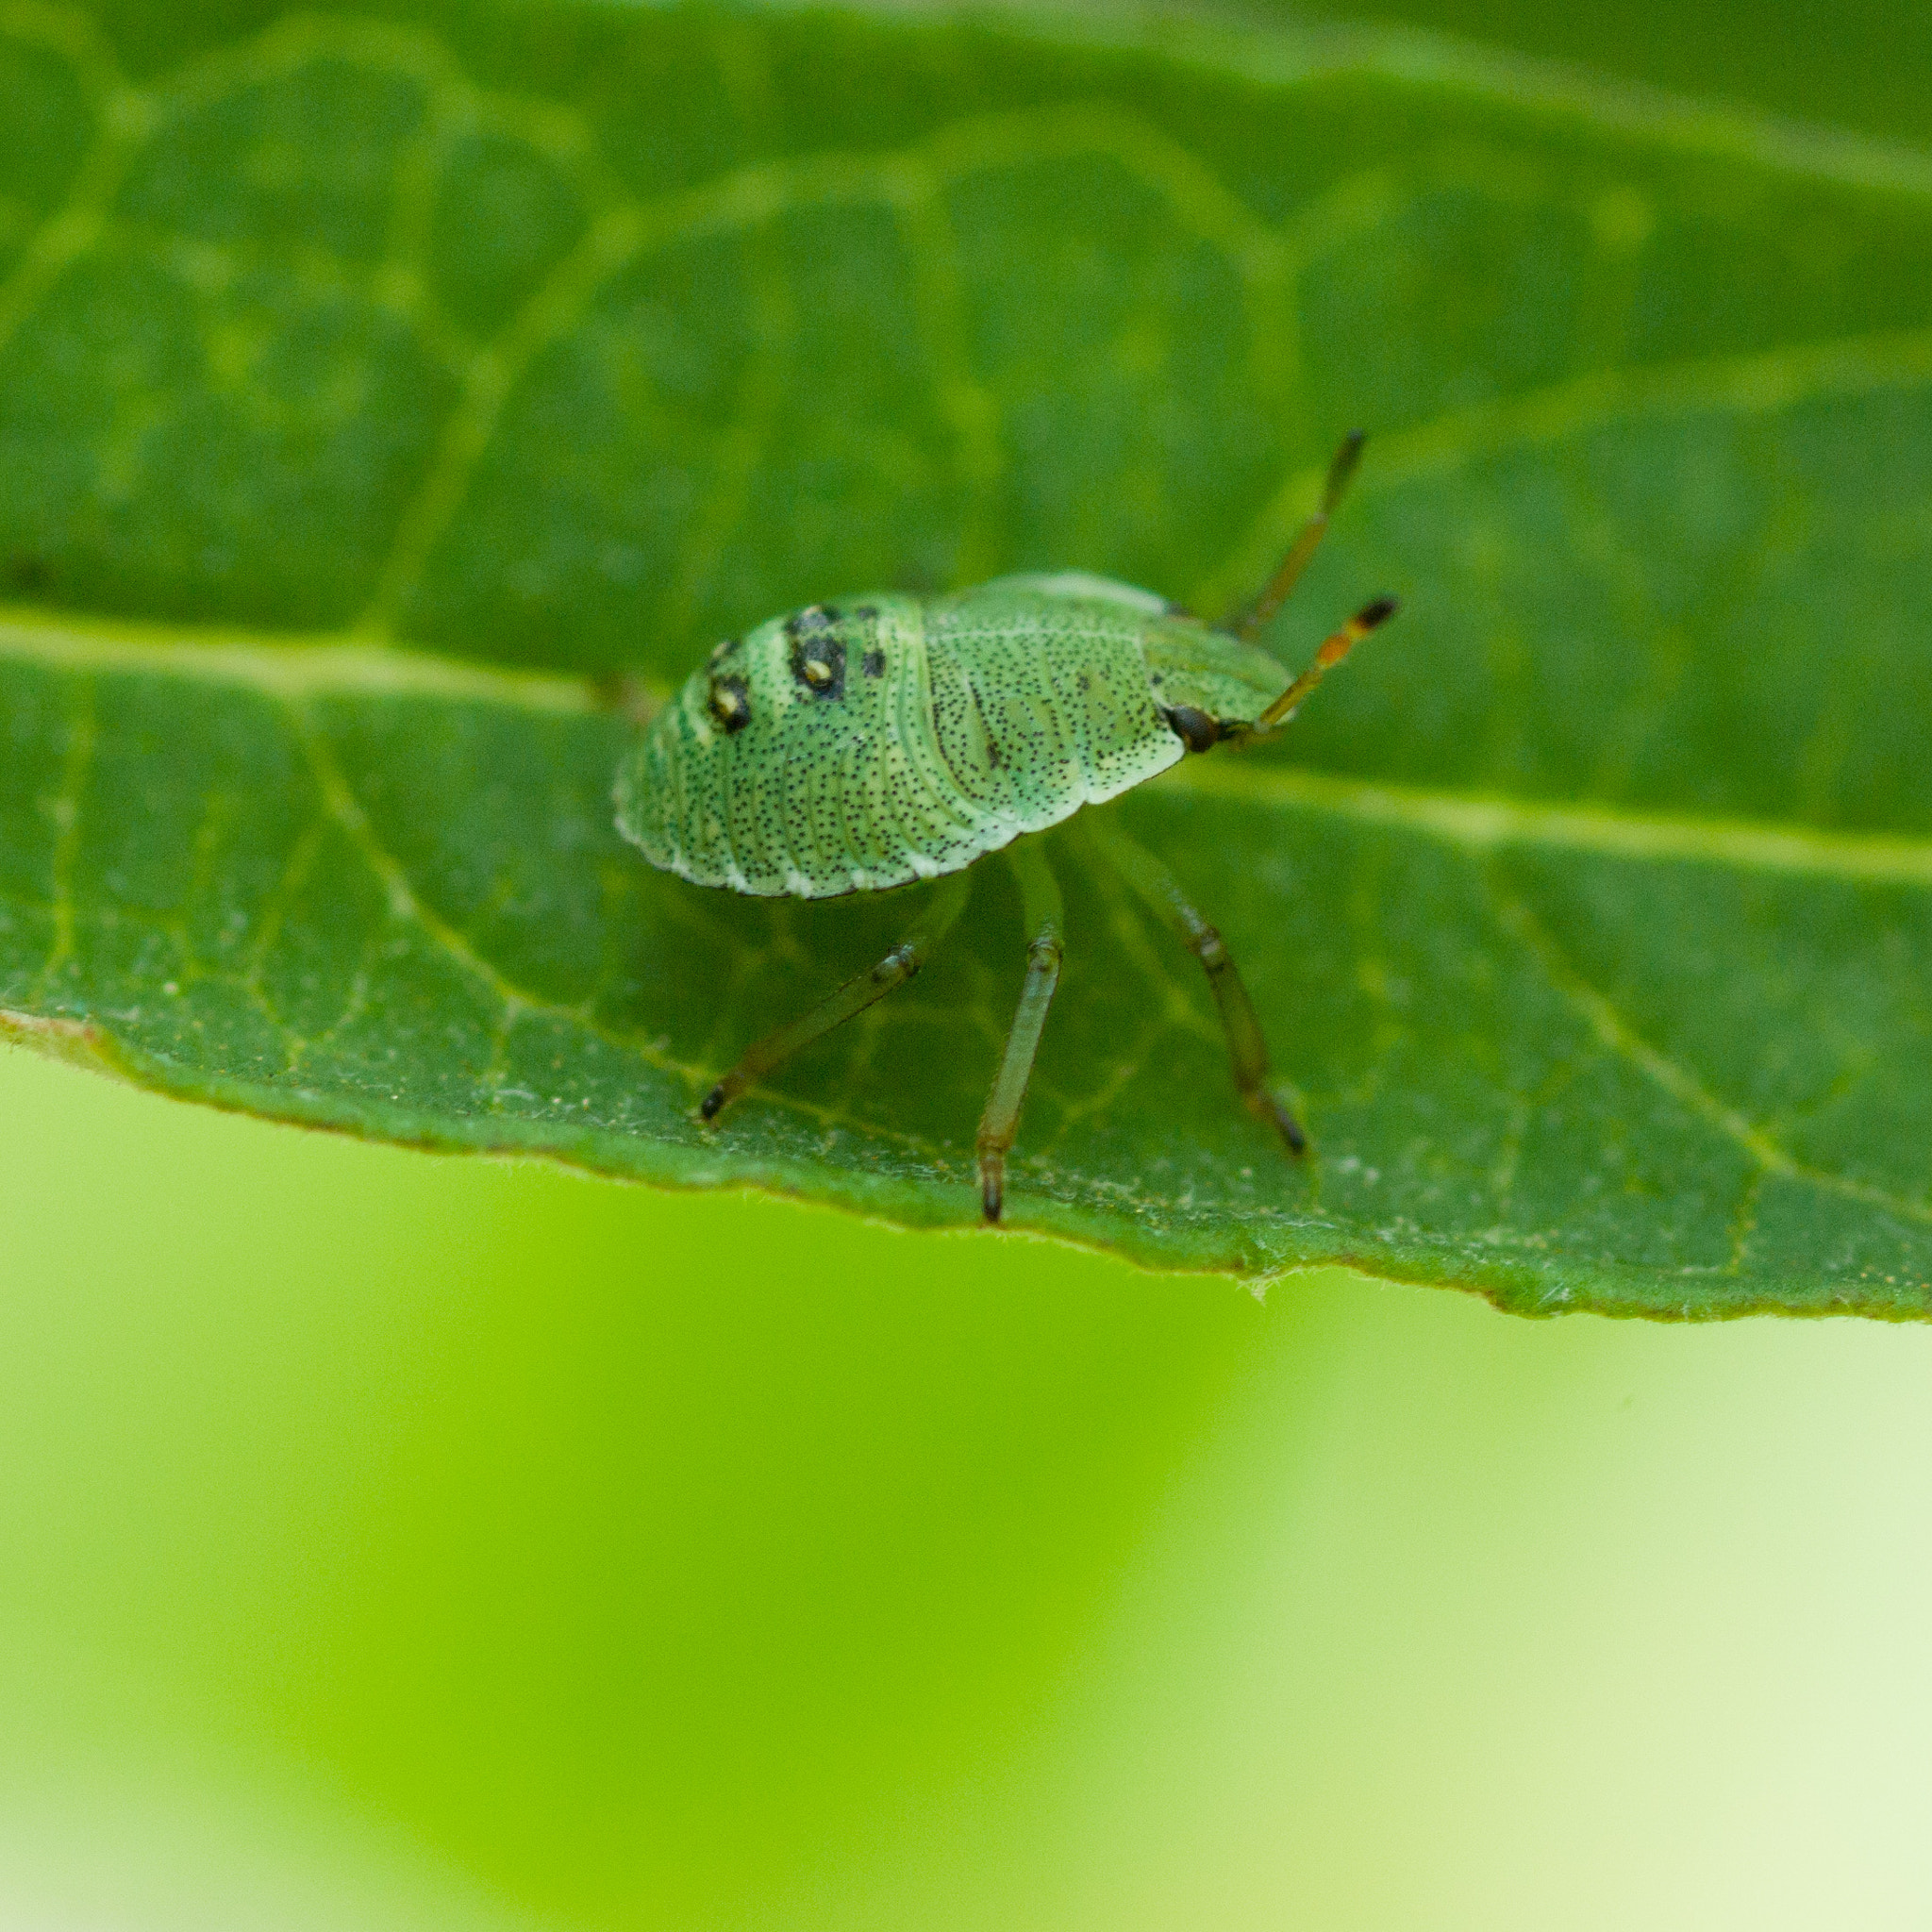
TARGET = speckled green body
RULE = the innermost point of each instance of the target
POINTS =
(864, 744)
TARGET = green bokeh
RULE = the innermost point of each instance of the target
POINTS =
(401, 1540)
(390, 1541)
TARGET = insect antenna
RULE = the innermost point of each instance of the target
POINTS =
(1246, 620)
(1334, 649)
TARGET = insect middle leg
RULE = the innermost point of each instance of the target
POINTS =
(1039, 899)
(1247, 1052)
(894, 970)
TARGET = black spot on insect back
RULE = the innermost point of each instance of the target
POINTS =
(818, 652)
(874, 663)
(730, 705)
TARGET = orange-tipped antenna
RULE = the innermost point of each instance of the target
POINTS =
(1246, 621)
(1331, 653)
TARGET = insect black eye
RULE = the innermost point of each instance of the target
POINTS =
(1196, 729)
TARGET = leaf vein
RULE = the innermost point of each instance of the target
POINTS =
(1761, 384)
(1481, 824)
(1618, 1036)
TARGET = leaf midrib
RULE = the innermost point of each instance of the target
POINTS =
(294, 668)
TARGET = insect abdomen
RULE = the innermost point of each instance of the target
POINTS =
(799, 760)
(863, 745)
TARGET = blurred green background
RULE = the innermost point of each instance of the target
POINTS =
(392, 1541)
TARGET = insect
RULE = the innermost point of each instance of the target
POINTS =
(858, 746)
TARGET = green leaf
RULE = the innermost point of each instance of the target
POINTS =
(1589, 910)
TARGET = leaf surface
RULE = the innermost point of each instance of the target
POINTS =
(372, 386)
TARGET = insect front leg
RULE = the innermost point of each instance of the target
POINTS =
(1247, 1052)
(1040, 898)
(894, 970)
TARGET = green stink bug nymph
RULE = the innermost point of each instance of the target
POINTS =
(857, 746)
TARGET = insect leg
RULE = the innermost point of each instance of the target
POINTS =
(1247, 1051)
(1040, 898)
(895, 969)
(1246, 620)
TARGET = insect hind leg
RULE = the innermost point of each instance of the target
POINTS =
(1247, 1052)
(850, 1000)
(999, 1126)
